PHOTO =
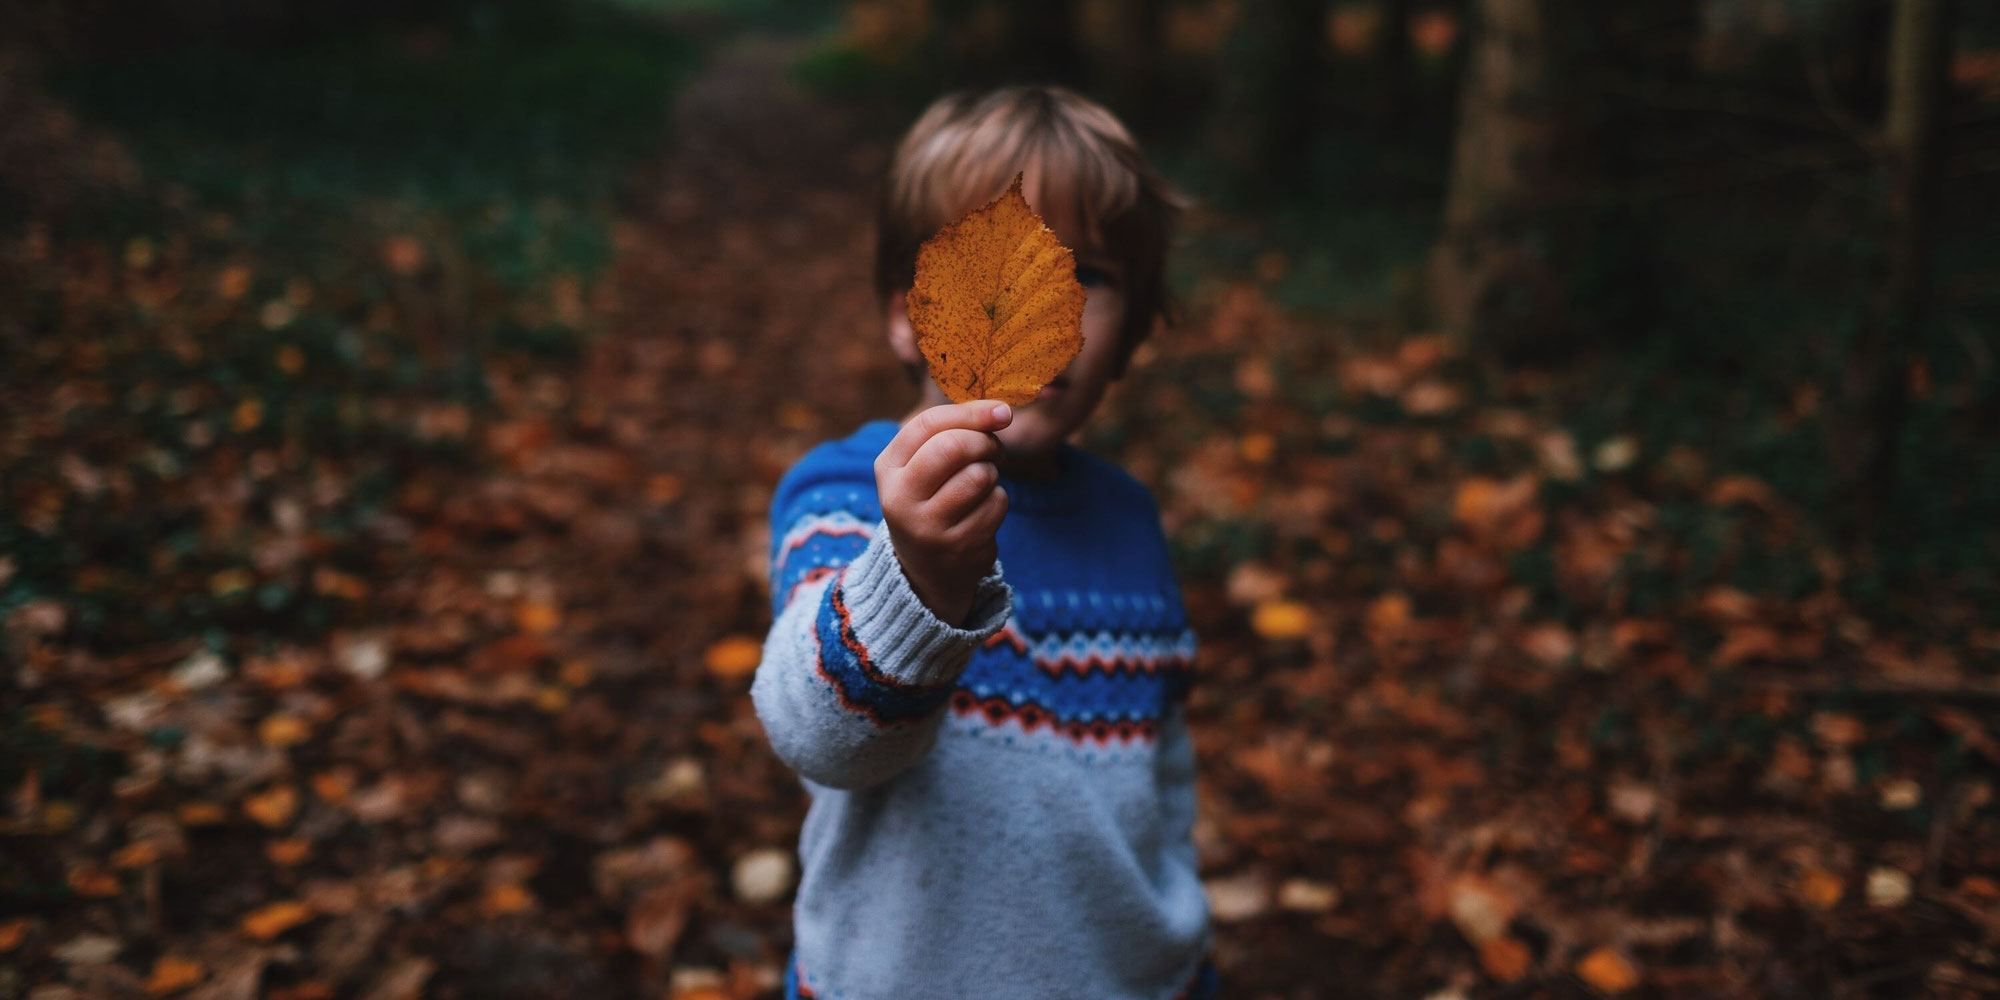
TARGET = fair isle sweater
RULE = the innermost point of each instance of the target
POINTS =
(1003, 810)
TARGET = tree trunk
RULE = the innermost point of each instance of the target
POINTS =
(1877, 379)
(1490, 273)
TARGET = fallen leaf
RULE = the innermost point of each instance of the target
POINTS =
(270, 921)
(402, 255)
(1480, 908)
(1888, 887)
(1238, 897)
(364, 656)
(1257, 447)
(1302, 896)
(1900, 794)
(762, 876)
(11, 933)
(233, 283)
(138, 854)
(1431, 398)
(1282, 620)
(273, 808)
(200, 670)
(1632, 802)
(1744, 643)
(1606, 971)
(92, 881)
(658, 916)
(697, 982)
(575, 673)
(735, 656)
(333, 787)
(1550, 643)
(1387, 617)
(403, 981)
(1838, 731)
(506, 898)
(1505, 958)
(88, 949)
(537, 617)
(1616, 454)
(551, 698)
(288, 852)
(1821, 889)
(172, 974)
(202, 814)
(996, 306)
(283, 729)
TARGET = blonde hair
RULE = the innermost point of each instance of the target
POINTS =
(966, 147)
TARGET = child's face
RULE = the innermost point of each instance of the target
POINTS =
(1041, 426)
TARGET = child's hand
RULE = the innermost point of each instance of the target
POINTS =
(941, 496)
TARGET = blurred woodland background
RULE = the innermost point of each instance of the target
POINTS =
(1579, 443)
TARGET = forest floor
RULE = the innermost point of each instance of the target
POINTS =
(1455, 740)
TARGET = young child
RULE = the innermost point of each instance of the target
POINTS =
(1002, 783)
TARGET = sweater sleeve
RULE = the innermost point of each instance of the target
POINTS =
(856, 670)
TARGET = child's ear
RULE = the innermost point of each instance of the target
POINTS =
(902, 339)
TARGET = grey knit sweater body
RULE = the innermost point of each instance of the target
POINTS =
(1001, 810)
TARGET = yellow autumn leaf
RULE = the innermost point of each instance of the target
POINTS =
(1257, 447)
(233, 282)
(1281, 620)
(248, 414)
(275, 919)
(537, 617)
(333, 787)
(551, 698)
(137, 854)
(273, 808)
(506, 898)
(89, 880)
(288, 852)
(1388, 617)
(996, 306)
(1606, 971)
(735, 656)
(172, 974)
(1821, 889)
(201, 814)
(283, 729)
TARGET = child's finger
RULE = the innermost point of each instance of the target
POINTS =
(942, 457)
(961, 493)
(984, 521)
(977, 415)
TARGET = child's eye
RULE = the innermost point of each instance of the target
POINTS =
(1092, 277)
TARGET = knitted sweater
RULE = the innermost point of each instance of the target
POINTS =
(1001, 810)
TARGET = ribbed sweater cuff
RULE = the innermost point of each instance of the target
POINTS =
(904, 639)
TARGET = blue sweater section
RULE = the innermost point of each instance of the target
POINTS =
(1003, 809)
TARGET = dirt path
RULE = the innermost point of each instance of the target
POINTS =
(631, 503)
